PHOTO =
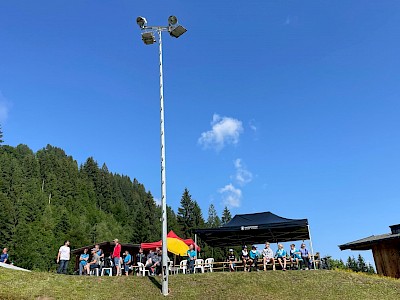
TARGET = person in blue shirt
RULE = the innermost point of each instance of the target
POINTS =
(192, 256)
(83, 258)
(127, 262)
(4, 256)
(295, 257)
(280, 255)
(253, 260)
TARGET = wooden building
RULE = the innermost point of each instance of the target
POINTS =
(385, 249)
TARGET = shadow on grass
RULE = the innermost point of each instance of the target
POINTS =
(154, 281)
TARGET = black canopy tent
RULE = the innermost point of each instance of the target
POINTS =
(256, 228)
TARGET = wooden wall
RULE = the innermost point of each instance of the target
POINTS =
(387, 258)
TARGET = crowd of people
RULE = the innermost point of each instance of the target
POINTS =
(95, 258)
(296, 258)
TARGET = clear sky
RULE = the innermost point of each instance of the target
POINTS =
(283, 106)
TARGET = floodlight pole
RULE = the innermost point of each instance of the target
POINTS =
(175, 30)
(164, 285)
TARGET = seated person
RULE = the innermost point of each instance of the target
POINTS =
(253, 260)
(268, 256)
(83, 258)
(231, 259)
(280, 255)
(245, 257)
(94, 263)
(192, 256)
(141, 257)
(4, 256)
(153, 261)
(305, 256)
(127, 262)
(295, 257)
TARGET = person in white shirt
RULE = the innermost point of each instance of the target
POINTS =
(268, 256)
(63, 258)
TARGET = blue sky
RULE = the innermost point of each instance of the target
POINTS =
(280, 106)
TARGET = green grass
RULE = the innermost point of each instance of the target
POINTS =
(273, 285)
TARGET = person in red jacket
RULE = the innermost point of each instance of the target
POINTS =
(116, 256)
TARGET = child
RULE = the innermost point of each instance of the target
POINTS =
(281, 256)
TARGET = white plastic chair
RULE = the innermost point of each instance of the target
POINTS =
(142, 269)
(94, 272)
(106, 269)
(182, 266)
(208, 264)
(199, 264)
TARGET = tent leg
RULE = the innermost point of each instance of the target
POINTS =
(311, 247)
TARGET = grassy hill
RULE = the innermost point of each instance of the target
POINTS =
(271, 285)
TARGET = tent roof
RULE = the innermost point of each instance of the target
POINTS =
(255, 229)
(171, 234)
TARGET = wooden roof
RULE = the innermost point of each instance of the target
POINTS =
(368, 242)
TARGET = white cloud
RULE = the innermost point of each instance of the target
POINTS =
(224, 131)
(4, 108)
(231, 196)
(242, 176)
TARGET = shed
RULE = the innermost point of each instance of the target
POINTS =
(385, 249)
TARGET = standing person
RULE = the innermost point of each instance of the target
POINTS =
(116, 256)
(63, 258)
(268, 256)
(127, 262)
(305, 256)
(4, 256)
(281, 256)
(245, 257)
(100, 253)
(231, 259)
(83, 258)
(192, 256)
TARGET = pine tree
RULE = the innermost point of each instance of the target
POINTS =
(226, 216)
(213, 220)
(185, 214)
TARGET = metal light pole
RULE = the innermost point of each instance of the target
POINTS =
(148, 38)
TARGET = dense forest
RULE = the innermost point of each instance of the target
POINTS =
(46, 198)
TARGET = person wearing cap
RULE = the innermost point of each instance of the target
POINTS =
(281, 256)
(116, 256)
(268, 256)
(245, 257)
(253, 258)
(94, 263)
(231, 259)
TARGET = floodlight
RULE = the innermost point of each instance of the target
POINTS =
(142, 22)
(172, 20)
(148, 38)
(177, 31)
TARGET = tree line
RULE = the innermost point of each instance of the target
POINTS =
(46, 198)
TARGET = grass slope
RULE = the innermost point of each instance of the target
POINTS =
(272, 285)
